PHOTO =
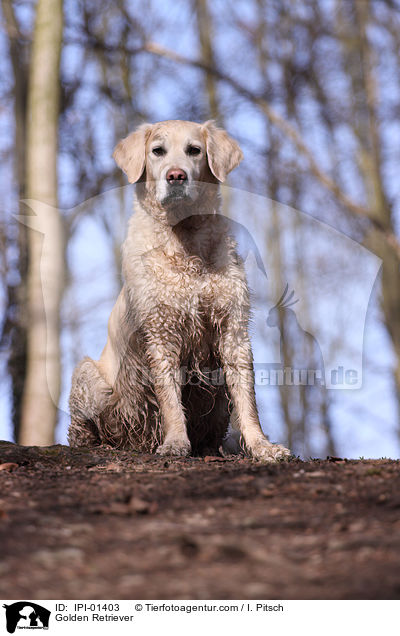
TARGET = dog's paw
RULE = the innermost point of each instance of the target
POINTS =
(176, 448)
(265, 451)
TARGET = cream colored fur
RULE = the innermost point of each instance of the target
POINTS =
(184, 305)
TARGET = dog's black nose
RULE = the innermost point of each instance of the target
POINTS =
(176, 176)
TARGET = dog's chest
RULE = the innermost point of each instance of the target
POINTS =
(196, 291)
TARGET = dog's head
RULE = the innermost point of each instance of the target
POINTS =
(174, 158)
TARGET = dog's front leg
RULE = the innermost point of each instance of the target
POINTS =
(237, 362)
(166, 378)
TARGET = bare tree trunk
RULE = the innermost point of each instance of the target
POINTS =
(15, 322)
(46, 247)
(204, 25)
(369, 136)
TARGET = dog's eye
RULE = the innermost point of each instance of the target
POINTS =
(193, 150)
(158, 151)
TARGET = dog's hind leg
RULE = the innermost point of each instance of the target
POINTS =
(90, 396)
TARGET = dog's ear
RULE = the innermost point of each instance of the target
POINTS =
(223, 152)
(130, 153)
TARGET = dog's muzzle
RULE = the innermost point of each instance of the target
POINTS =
(177, 185)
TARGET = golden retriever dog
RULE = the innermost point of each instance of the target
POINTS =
(177, 367)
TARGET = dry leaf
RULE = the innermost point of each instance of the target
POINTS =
(8, 466)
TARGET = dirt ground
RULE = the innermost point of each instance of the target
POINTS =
(104, 524)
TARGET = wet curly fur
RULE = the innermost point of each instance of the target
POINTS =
(128, 415)
(182, 314)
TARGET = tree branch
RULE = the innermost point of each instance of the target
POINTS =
(289, 131)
